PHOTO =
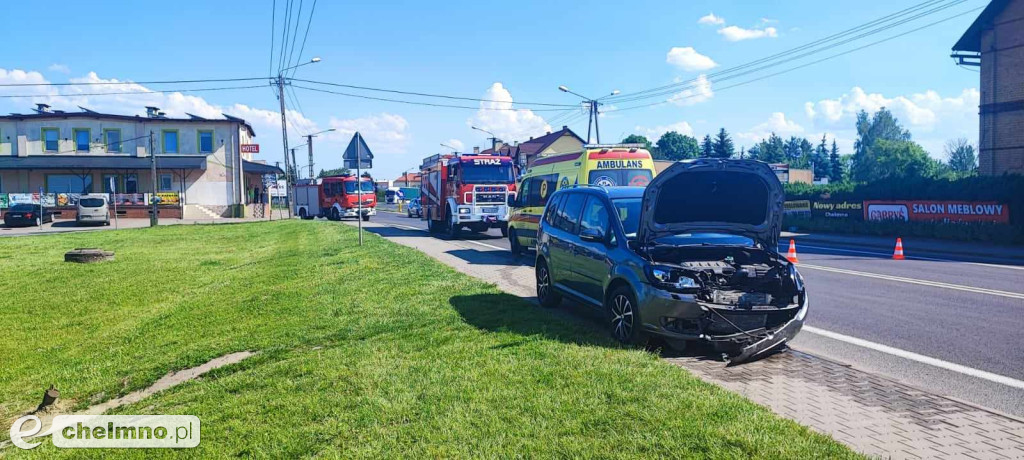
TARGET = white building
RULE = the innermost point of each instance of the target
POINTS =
(200, 159)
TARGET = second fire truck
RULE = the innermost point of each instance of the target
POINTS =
(460, 191)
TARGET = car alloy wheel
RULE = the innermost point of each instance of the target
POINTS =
(38, 222)
(622, 318)
(545, 292)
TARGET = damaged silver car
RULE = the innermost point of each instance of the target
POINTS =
(691, 257)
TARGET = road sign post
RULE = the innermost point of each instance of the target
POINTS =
(358, 156)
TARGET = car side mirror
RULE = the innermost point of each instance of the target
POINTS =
(593, 235)
(512, 201)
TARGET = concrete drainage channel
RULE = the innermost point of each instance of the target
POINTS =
(50, 406)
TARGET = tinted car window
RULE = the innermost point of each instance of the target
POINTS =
(569, 215)
(595, 215)
(616, 177)
(552, 210)
(91, 202)
(540, 189)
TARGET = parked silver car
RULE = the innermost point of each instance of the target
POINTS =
(93, 209)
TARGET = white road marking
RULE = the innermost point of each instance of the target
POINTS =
(784, 248)
(406, 227)
(486, 245)
(958, 287)
(969, 371)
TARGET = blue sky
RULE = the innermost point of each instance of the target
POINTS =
(519, 52)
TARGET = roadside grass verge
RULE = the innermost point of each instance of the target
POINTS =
(364, 352)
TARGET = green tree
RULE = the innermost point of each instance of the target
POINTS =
(771, 150)
(637, 139)
(722, 146)
(835, 165)
(707, 148)
(820, 159)
(332, 172)
(879, 136)
(674, 146)
(960, 157)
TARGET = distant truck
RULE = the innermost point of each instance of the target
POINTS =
(335, 197)
(466, 191)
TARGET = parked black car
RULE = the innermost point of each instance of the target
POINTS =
(691, 257)
(21, 215)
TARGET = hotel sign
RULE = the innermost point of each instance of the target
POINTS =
(250, 148)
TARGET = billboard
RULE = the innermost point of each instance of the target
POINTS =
(937, 211)
(853, 210)
(130, 199)
(68, 199)
(3, 201)
(24, 198)
(168, 198)
(798, 207)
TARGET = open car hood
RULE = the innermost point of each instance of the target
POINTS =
(739, 197)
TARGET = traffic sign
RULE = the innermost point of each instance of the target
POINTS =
(358, 154)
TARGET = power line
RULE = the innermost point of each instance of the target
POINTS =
(190, 90)
(674, 87)
(808, 64)
(428, 104)
(273, 25)
(284, 35)
(305, 35)
(159, 82)
(412, 93)
(295, 33)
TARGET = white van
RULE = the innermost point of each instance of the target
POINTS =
(93, 209)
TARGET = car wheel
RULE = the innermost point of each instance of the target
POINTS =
(302, 213)
(623, 319)
(408, 213)
(546, 294)
(504, 231)
(38, 222)
(513, 242)
(366, 218)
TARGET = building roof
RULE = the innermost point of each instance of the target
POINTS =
(971, 39)
(100, 162)
(255, 168)
(86, 113)
(533, 146)
(411, 177)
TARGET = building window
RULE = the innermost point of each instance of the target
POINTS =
(112, 139)
(131, 183)
(115, 179)
(166, 183)
(82, 139)
(170, 141)
(51, 139)
(68, 183)
(205, 141)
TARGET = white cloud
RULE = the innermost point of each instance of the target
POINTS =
(16, 76)
(59, 68)
(508, 125)
(696, 93)
(735, 33)
(689, 59)
(923, 112)
(777, 123)
(655, 133)
(458, 145)
(384, 133)
(711, 19)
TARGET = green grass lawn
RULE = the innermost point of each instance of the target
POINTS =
(368, 351)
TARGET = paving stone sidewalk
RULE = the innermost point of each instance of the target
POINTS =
(872, 414)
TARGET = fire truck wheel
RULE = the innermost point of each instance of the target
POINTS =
(454, 229)
(366, 218)
(334, 214)
(302, 213)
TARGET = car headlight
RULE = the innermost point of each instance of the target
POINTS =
(670, 277)
(463, 210)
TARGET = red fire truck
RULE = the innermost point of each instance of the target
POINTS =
(335, 197)
(466, 191)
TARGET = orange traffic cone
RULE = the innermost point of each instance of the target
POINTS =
(791, 255)
(898, 253)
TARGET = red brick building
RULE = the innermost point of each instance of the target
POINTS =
(995, 43)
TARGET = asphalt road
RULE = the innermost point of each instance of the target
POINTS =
(949, 326)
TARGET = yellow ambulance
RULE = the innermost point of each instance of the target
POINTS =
(606, 165)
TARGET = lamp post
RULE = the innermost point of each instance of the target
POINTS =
(454, 150)
(494, 139)
(309, 144)
(592, 106)
(284, 130)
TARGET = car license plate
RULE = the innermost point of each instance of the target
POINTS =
(15, 215)
(487, 210)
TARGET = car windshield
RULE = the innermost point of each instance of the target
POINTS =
(350, 186)
(705, 239)
(486, 174)
(24, 208)
(91, 202)
(617, 177)
(628, 210)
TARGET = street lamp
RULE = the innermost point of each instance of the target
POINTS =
(592, 105)
(309, 142)
(284, 127)
(494, 139)
(454, 150)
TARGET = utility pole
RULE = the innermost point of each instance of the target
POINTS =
(284, 138)
(592, 107)
(154, 220)
(309, 145)
(593, 111)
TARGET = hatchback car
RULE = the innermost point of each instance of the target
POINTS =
(93, 209)
(414, 209)
(691, 257)
(23, 215)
